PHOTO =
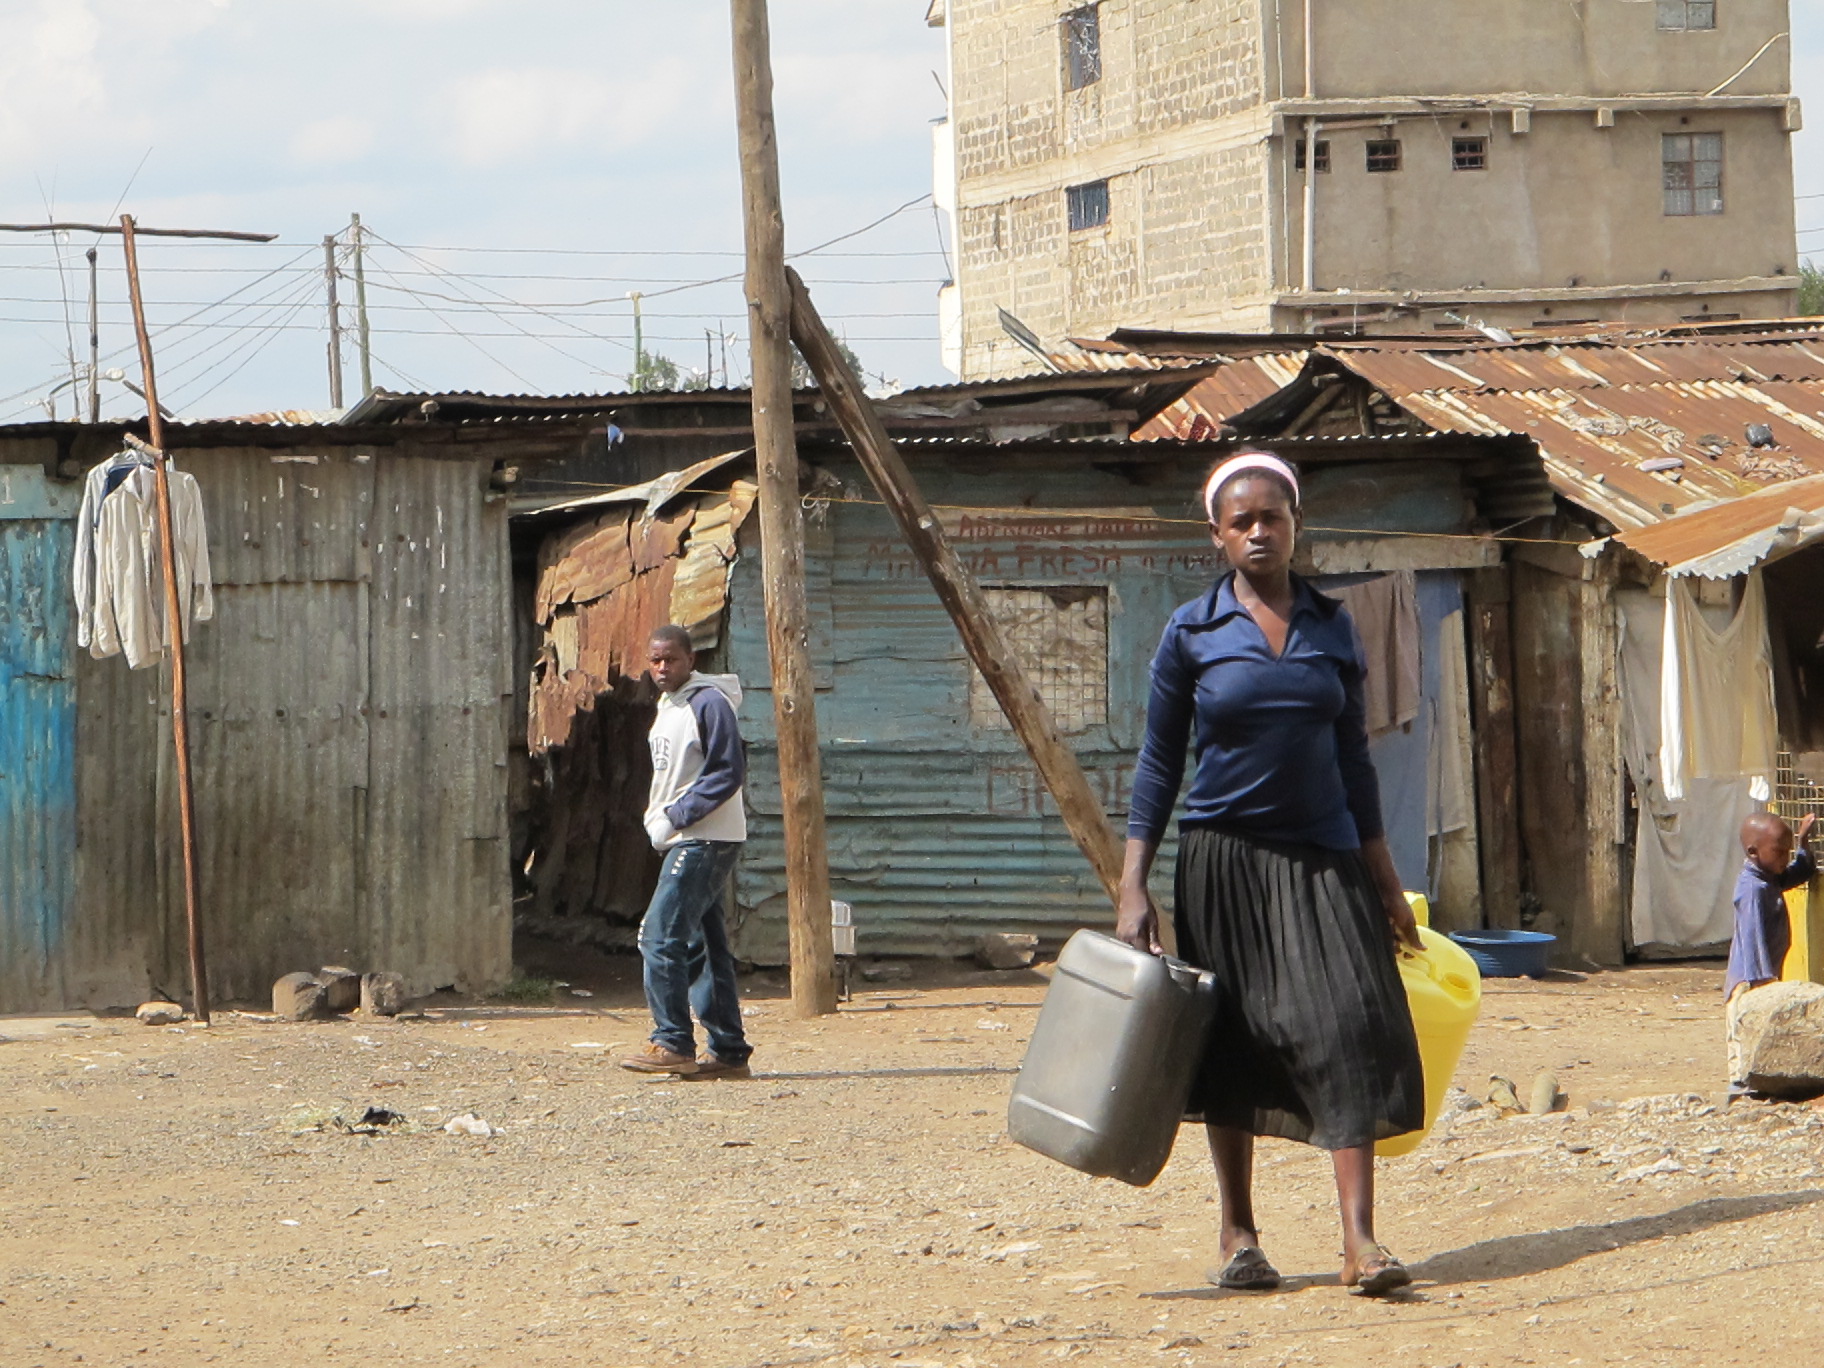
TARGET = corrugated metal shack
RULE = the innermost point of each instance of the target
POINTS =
(598, 538)
(350, 710)
(939, 827)
(1634, 426)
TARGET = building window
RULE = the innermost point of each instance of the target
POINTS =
(1323, 155)
(1081, 30)
(1679, 16)
(1693, 169)
(1383, 154)
(1469, 154)
(1087, 204)
(1060, 637)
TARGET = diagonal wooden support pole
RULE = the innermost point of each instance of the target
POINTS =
(175, 622)
(961, 596)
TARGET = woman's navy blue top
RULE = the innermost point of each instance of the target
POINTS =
(1282, 744)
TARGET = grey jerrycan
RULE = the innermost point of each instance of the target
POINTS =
(1109, 1068)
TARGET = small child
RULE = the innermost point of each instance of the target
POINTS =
(1763, 932)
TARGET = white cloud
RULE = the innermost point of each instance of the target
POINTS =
(332, 142)
(49, 72)
(498, 116)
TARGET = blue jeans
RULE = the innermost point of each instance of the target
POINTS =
(684, 942)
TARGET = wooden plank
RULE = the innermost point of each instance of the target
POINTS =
(781, 520)
(1363, 555)
(961, 596)
(1491, 667)
(1597, 932)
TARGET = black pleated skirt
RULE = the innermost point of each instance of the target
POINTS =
(1312, 1040)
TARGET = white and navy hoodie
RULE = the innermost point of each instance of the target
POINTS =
(698, 765)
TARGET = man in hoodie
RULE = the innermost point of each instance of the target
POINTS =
(694, 815)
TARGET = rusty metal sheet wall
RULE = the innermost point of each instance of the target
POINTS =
(939, 828)
(121, 949)
(349, 711)
(435, 889)
(37, 759)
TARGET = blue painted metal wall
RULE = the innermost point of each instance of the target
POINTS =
(940, 830)
(37, 752)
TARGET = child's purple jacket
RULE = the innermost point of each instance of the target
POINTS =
(1763, 933)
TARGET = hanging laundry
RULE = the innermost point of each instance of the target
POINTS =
(129, 593)
(1716, 710)
(1687, 851)
(1386, 614)
(103, 480)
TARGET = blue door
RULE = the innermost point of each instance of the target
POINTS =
(37, 750)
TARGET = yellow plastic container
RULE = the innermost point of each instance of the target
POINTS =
(1421, 908)
(1444, 990)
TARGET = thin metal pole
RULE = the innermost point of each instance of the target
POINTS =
(335, 321)
(367, 360)
(94, 342)
(174, 630)
(1308, 267)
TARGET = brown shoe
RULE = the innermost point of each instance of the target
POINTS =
(708, 1066)
(654, 1058)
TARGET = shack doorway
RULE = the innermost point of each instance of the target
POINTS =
(610, 571)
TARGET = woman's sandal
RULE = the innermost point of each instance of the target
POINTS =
(1377, 1273)
(1246, 1271)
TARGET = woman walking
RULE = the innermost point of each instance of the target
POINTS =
(1285, 887)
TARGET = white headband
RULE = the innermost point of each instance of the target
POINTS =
(1248, 460)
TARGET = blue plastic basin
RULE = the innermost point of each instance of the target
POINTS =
(1507, 954)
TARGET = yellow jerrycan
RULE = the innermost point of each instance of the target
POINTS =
(1444, 991)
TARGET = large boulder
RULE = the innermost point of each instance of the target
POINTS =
(1782, 1035)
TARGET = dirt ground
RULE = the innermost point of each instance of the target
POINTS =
(173, 1195)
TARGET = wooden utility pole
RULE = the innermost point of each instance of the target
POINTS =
(807, 868)
(176, 619)
(335, 321)
(94, 341)
(361, 337)
(981, 635)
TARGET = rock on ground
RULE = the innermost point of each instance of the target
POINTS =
(297, 997)
(160, 1013)
(341, 988)
(382, 994)
(1782, 1032)
(1007, 950)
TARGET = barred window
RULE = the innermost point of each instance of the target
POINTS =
(1469, 154)
(1679, 16)
(1081, 30)
(1383, 154)
(1059, 634)
(1086, 205)
(1692, 166)
(1323, 155)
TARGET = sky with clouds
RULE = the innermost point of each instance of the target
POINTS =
(523, 164)
(603, 129)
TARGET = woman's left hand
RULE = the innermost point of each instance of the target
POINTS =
(1379, 860)
(1405, 925)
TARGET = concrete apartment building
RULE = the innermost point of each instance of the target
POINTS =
(1141, 163)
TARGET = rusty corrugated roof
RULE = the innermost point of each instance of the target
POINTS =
(1215, 398)
(1633, 428)
(1728, 538)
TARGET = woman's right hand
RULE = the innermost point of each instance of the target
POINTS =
(1137, 921)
